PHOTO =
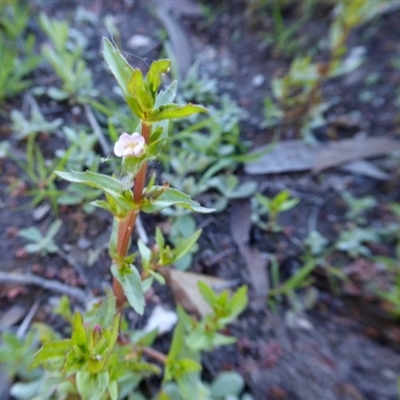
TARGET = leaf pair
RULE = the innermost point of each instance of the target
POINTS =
(141, 93)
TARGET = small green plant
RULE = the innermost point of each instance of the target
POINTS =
(272, 207)
(353, 241)
(284, 38)
(41, 173)
(42, 244)
(16, 50)
(101, 358)
(392, 294)
(14, 71)
(23, 127)
(65, 57)
(358, 206)
(298, 93)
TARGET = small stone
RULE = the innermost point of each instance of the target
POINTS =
(40, 212)
(137, 41)
(84, 243)
(76, 110)
(258, 80)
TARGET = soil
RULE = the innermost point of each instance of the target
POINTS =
(346, 346)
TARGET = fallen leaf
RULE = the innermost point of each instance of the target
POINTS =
(11, 317)
(162, 319)
(256, 262)
(240, 222)
(178, 37)
(186, 8)
(365, 168)
(185, 290)
(347, 150)
(286, 156)
(297, 156)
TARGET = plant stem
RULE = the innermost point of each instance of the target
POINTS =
(127, 225)
(140, 179)
(156, 355)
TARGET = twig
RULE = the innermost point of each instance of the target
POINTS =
(156, 355)
(71, 261)
(96, 129)
(27, 320)
(140, 230)
(47, 284)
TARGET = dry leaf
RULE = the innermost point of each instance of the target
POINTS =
(177, 36)
(286, 156)
(365, 168)
(358, 148)
(185, 290)
(11, 317)
(256, 262)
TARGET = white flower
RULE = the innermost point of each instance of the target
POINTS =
(129, 145)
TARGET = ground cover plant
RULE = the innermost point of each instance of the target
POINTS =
(199, 201)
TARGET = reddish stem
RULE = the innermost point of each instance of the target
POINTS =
(127, 225)
(156, 355)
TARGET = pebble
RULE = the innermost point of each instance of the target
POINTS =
(137, 41)
(84, 243)
(258, 80)
(40, 212)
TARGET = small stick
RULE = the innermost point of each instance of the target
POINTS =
(27, 320)
(140, 230)
(28, 279)
(96, 129)
(156, 355)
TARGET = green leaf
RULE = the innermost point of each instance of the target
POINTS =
(171, 111)
(130, 280)
(208, 294)
(158, 277)
(238, 302)
(171, 197)
(79, 336)
(187, 366)
(154, 76)
(185, 245)
(160, 238)
(50, 350)
(177, 342)
(107, 309)
(92, 386)
(167, 95)
(222, 340)
(296, 280)
(137, 89)
(227, 383)
(113, 390)
(110, 185)
(122, 72)
(142, 338)
(145, 254)
(104, 182)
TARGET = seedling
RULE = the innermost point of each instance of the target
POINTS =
(230, 188)
(353, 241)
(41, 173)
(358, 206)
(271, 207)
(66, 60)
(14, 71)
(41, 244)
(298, 93)
(23, 127)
